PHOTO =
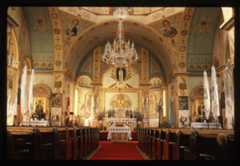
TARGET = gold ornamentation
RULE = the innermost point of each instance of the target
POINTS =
(58, 84)
(121, 101)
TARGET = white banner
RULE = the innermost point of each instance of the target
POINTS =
(229, 96)
(206, 93)
(214, 94)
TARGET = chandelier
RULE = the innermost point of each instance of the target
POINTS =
(120, 53)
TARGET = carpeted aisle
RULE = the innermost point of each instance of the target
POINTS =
(117, 151)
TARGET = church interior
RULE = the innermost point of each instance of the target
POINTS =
(120, 83)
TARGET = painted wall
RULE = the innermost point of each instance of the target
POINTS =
(201, 38)
(132, 96)
(22, 31)
(40, 28)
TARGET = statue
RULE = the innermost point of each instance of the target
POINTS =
(74, 28)
(39, 113)
(121, 74)
(160, 111)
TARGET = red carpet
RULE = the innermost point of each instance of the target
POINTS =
(117, 151)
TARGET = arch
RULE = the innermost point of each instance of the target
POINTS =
(196, 99)
(41, 99)
(12, 48)
(84, 81)
(141, 34)
(27, 61)
(156, 82)
(227, 13)
(42, 90)
(228, 25)
(12, 73)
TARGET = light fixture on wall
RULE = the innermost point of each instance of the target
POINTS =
(120, 53)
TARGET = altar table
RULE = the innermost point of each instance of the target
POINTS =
(119, 134)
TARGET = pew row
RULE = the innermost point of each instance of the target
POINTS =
(26, 143)
(186, 144)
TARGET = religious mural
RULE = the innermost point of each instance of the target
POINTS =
(120, 78)
(73, 28)
(168, 30)
(39, 112)
(184, 113)
(121, 101)
(56, 100)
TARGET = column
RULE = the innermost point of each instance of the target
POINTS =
(144, 82)
(183, 112)
(58, 72)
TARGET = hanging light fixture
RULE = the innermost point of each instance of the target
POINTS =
(120, 53)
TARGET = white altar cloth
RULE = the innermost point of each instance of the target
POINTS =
(205, 125)
(42, 123)
(115, 129)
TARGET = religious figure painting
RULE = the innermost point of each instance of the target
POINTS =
(86, 103)
(168, 30)
(39, 113)
(184, 120)
(55, 115)
(56, 100)
(121, 74)
(73, 29)
(183, 103)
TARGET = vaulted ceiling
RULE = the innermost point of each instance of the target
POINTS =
(179, 49)
(41, 36)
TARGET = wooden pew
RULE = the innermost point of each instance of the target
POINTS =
(21, 145)
(46, 143)
(80, 139)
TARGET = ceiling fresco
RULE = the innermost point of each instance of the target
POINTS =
(142, 35)
(201, 38)
(131, 10)
(72, 27)
(41, 36)
(181, 37)
(144, 15)
(174, 31)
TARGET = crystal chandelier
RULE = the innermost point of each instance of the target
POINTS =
(120, 53)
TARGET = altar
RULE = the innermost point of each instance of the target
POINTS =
(36, 123)
(199, 125)
(119, 133)
(130, 122)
